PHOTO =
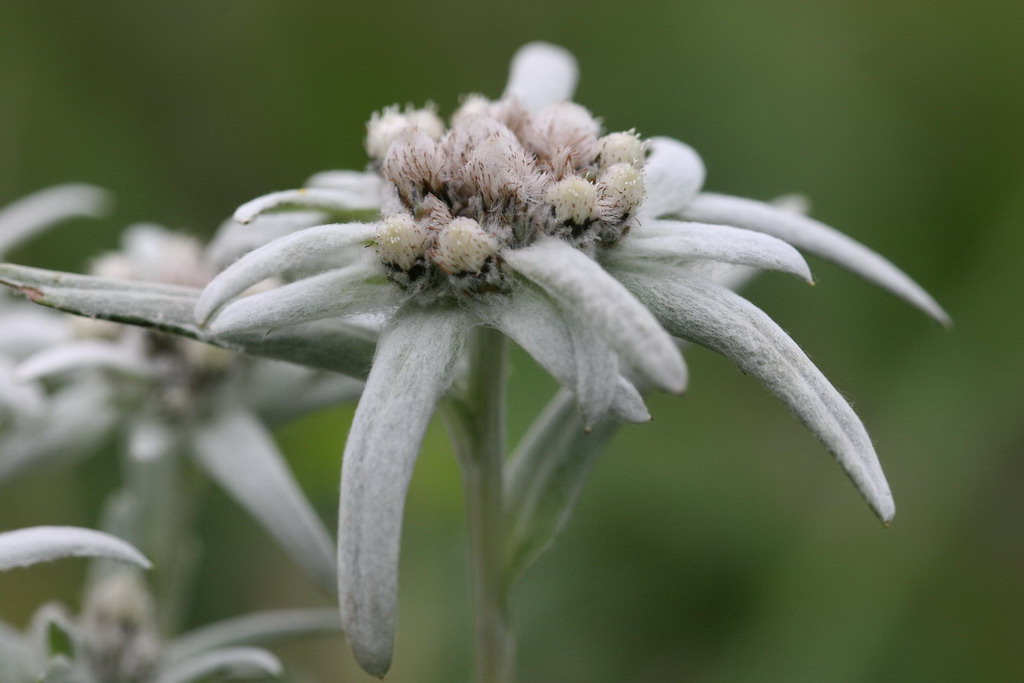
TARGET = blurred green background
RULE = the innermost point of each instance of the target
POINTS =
(718, 543)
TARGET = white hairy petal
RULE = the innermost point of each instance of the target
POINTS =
(674, 174)
(17, 396)
(579, 283)
(253, 629)
(681, 242)
(240, 455)
(86, 354)
(542, 74)
(234, 239)
(25, 547)
(725, 322)
(315, 198)
(412, 368)
(26, 329)
(40, 210)
(536, 323)
(361, 184)
(278, 392)
(597, 370)
(817, 238)
(233, 662)
(76, 420)
(278, 257)
(345, 291)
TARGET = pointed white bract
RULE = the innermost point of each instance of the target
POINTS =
(25, 547)
(413, 367)
(674, 174)
(233, 662)
(238, 453)
(575, 281)
(817, 238)
(723, 321)
(542, 74)
(25, 218)
(314, 198)
(273, 259)
(85, 354)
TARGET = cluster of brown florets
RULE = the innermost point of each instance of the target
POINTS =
(498, 178)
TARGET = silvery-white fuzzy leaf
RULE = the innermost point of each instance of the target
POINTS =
(238, 453)
(26, 329)
(274, 258)
(278, 392)
(85, 354)
(577, 282)
(532, 320)
(25, 547)
(354, 289)
(673, 175)
(413, 367)
(542, 74)
(235, 662)
(545, 477)
(330, 344)
(817, 238)
(40, 210)
(597, 370)
(324, 199)
(683, 242)
(359, 183)
(234, 239)
(253, 629)
(714, 317)
(151, 438)
(18, 397)
(14, 656)
(77, 419)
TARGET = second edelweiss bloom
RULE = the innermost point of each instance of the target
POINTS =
(589, 249)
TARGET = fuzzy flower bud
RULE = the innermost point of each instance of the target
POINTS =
(573, 200)
(620, 191)
(413, 164)
(464, 247)
(401, 240)
(621, 148)
(385, 126)
(500, 169)
(565, 134)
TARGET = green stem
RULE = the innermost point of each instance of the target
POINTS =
(477, 425)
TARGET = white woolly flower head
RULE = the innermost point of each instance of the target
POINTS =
(498, 179)
(386, 125)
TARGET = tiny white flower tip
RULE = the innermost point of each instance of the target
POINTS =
(385, 126)
(621, 148)
(401, 240)
(573, 200)
(621, 189)
(464, 247)
(542, 73)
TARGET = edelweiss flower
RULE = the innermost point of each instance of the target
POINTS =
(164, 395)
(116, 637)
(592, 250)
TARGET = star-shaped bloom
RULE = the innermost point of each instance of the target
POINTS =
(164, 395)
(594, 251)
(116, 637)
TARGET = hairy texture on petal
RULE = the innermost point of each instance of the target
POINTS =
(76, 421)
(597, 370)
(545, 477)
(725, 322)
(412, 368)
(817, 238)
(358, 288)
(579, 283)
(86, 354)
(40, 210)
(532, 320)
(254, 629)
(542, 74)
(679, 242)
(233, 662)
(674, 174)
(234, 239)
(273, 259)
(322, 199)
(25, 547)
(238, 453)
